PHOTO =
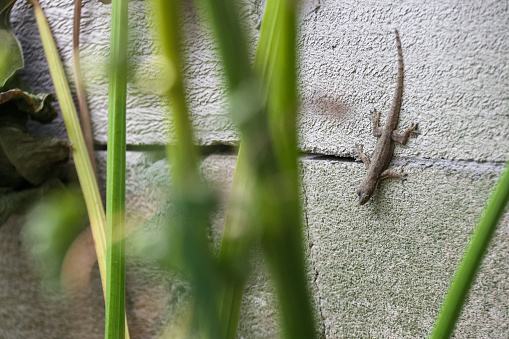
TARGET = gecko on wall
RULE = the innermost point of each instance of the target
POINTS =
(387, 135)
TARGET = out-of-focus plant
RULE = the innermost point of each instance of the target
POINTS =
(264, 207)
(263, 103)
(471, 261)
(11, 57)
(192, 202)
(265, 111)
(50, 228)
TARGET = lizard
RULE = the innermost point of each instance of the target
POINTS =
(377, 166)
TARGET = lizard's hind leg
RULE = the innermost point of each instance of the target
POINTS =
(402, 138)
(388, 174)
(360, 153)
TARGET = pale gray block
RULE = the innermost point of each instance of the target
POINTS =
(382, 269)
(455, 66)
(455, 69)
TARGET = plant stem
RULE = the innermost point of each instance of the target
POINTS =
(192, 201)
(115, 178)
(80, 90)
(237, 240)
(472, 259)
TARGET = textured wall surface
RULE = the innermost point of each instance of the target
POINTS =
(379, 270)
(455, 55)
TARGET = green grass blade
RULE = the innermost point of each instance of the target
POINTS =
(86, 176)
(240, 230)
(270, 152)
(472, 259)
(115, 179)
(191, 199)
(282, 241)
(183, 152)
(238, 237)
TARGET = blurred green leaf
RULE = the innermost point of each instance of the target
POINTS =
(11, 56)
(264, 108)
(186, 235)
(19, 201)
(51, 227)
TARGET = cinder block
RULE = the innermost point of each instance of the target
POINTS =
(455, 66)
(382, 269)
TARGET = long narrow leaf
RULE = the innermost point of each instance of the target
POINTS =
(472, 259)
(80, 90)
(238, 238)
(83, 166)
(115, 178)
(241, 227)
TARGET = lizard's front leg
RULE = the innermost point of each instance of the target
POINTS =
(362, 156)
(402, 138)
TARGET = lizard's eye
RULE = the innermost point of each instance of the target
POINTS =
(359, 193)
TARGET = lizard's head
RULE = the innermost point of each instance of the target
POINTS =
(365, 192)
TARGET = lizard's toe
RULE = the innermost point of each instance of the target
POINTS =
(415, 129)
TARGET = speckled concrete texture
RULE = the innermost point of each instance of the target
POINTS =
(381, 270)
(455, 69)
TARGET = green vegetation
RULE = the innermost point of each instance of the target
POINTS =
(467, 269)
(11, 57)
(115, 175)
(81, 157)
(264, 102)
(264, 105)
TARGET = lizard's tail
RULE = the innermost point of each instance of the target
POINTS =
(396, 103)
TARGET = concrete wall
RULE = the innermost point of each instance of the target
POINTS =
(379, 270)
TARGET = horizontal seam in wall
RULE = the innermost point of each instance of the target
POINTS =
(416, 162)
